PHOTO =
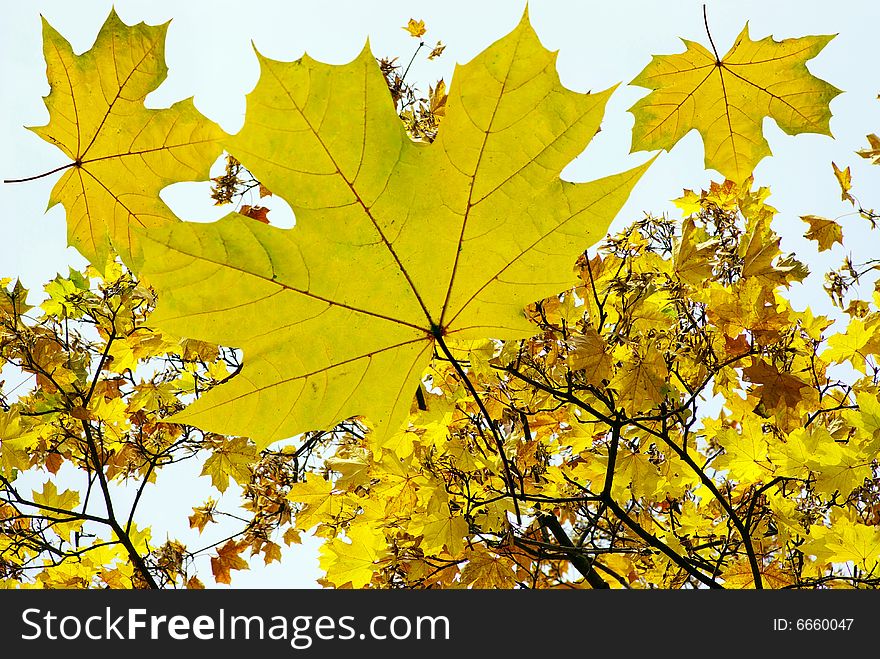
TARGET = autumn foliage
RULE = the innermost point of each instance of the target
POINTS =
(448, 369)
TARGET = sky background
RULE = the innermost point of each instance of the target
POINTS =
(209, 52)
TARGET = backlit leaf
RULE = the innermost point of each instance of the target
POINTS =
(396, 243)
(726, 100)
(354, 561)
(415, 28)
(844, 179)
(230, 459)
(845, 541)
(873, 152)
(227, 559)
(123, 153)
(824, 231)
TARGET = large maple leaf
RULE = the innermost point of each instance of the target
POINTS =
(122, 153)
(726, 99)
(397, 244)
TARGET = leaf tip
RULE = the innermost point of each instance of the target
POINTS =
(262, 60)
(49, 31)
(367, 51)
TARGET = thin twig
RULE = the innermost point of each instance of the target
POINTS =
(508, 476)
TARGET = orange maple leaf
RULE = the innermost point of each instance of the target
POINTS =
(776, 386)
(228, 559)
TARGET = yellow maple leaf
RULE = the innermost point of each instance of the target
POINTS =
(689, 202)
(202, 515)
(850, 345)
(317, 495)
(739, 575)
(759, 249)
(726, 99)
(122, 153)
(839, 469)
(746, 452)
(487, 570)
(691, 253)
(694, 522)
(866, 419)
(746, 306)
(634, 475)
(231, 457)
(444, 529)
(641, 381)
(328, 140)
(844, 541)
(151, 396)
(17, 438)
(354, 468)
(844, 179)
(399, 485)
(813, 325)
(588, 354)
(824, 231)
(795, 455)
(271, 552)
(113, 413)
(436, 52)
(873, 151)
(652, 312)
(725, 195)
(140, 538)
(61, 506)
(194, 583)
(401, 443)
(835, 468)
(415, 28)
(354, 562)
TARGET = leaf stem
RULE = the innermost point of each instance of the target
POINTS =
(711, 41)
(34, 178)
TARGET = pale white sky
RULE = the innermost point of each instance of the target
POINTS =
(210, 57)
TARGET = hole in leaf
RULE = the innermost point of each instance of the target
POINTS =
(192, 201)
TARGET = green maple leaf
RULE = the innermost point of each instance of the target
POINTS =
(396, 245)
(727, 99)
(122, 153)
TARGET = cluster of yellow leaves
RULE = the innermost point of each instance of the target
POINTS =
(386, 509)
(95, 386)
(590, 445)
(778, 487)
